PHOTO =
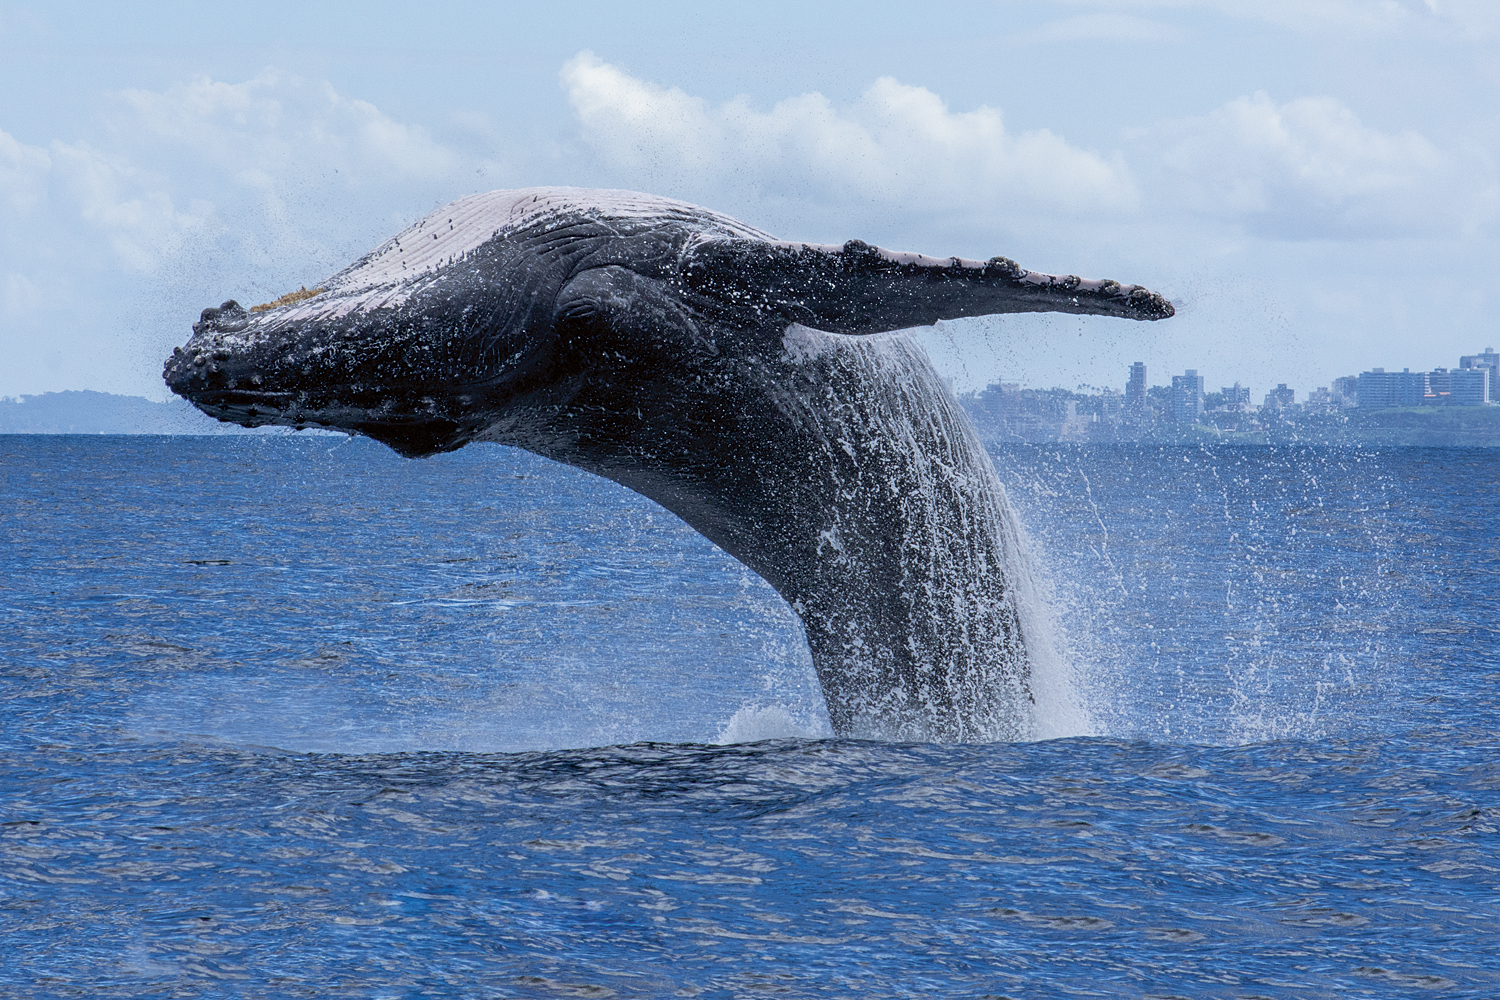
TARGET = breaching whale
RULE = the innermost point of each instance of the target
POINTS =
(721, 372)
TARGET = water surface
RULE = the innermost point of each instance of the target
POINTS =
(295, 717)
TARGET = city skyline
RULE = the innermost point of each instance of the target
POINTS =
(1138, 383)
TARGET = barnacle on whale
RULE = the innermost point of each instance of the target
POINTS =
(289, 298)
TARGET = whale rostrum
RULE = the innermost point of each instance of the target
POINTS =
(727, 375)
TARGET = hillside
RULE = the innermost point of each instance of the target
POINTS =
(88, 412)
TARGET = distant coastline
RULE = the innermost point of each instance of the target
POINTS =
(88, 412)
(1038, 416)
(1044, 420)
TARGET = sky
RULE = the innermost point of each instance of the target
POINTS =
(1314, 183)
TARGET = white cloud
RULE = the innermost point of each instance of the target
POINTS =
(898, 147)
(23, 175)
(1309, 167)
(21, 296)
(186, 196)
(46, 193)
(274, 126)
(139, 219)
(172, 164)
(286, 157)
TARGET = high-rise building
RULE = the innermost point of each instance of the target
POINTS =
(1346, 390)
(1280, 397)
(1380, 389)
(1110, 404)
(1187, 397)
(1437, 388)
(1489, 359)
(1236, 397)
(1471, 386)
(1458, 387)
(1135, 389)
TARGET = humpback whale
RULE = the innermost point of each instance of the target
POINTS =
(757, 388)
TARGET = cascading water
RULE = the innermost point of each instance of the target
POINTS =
(1058, 707)
(940, 616)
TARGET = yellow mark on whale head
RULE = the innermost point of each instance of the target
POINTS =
(288, 299)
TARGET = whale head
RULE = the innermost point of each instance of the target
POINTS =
(445, 332)
(395, 385)
(423, 365)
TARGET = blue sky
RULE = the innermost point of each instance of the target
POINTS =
(1314, 182)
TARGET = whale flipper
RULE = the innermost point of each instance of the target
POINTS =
(861, 289)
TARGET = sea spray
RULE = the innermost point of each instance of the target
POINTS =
(1058, 706)
(753, 723)
(1167, 574)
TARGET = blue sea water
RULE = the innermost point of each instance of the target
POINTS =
(293, 717)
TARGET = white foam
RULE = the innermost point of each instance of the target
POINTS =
(1058, 708)
(752, 723)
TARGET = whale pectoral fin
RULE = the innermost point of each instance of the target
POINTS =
(610, 308)
(860, 289)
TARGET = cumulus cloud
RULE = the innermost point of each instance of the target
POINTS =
(171, 165)
(277, 125)
(192, 194)
(23, 175)
(898, 147)
(1310, 167)
(46, 193)
(139, 220)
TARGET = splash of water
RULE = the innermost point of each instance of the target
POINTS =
(1226, 596)
(1058, 706)
(753, 723)
(929, 620)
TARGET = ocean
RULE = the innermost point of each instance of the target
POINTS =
(289, 716)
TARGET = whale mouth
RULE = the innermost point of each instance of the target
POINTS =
(410, 435)
(226, 388)
(249, 408)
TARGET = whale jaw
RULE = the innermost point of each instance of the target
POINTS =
(410, 436)
(314, 381)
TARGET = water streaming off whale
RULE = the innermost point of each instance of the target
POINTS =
(960, 575)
